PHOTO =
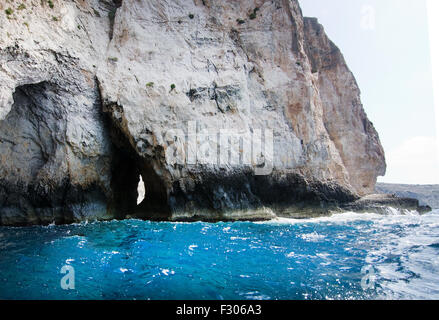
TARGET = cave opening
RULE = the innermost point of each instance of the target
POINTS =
(38, 160)
(137, 190)
(124, 181)
(155, 205)
(26, 145)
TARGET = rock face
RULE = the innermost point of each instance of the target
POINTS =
(385, 203)
(360, 149)
(428, 195)
(229, 110)
(56, 153)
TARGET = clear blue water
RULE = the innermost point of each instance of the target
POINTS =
(284, 259)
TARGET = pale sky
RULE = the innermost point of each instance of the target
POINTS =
(386, 45)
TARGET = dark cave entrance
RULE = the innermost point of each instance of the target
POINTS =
(124, 181)
(155, 205)
(127, 168)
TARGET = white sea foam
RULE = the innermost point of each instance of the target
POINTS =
(335, 218)
(405, 251)
(192, 247)
(393, 215)
(312, 237)
(167, 272)
(406, 260)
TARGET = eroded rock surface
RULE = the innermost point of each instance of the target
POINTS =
(229, 110)
(55, 151)
(385, 204)
(428, 195)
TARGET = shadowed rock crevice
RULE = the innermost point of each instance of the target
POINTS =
(112, 7)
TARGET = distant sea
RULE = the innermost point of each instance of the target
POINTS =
(346, 256)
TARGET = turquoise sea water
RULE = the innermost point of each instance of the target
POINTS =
(347, 256)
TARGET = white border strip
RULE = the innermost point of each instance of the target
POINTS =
(433, 23)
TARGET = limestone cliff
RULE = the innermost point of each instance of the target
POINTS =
(228, 109)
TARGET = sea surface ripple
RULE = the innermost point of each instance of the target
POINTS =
(346, 256)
